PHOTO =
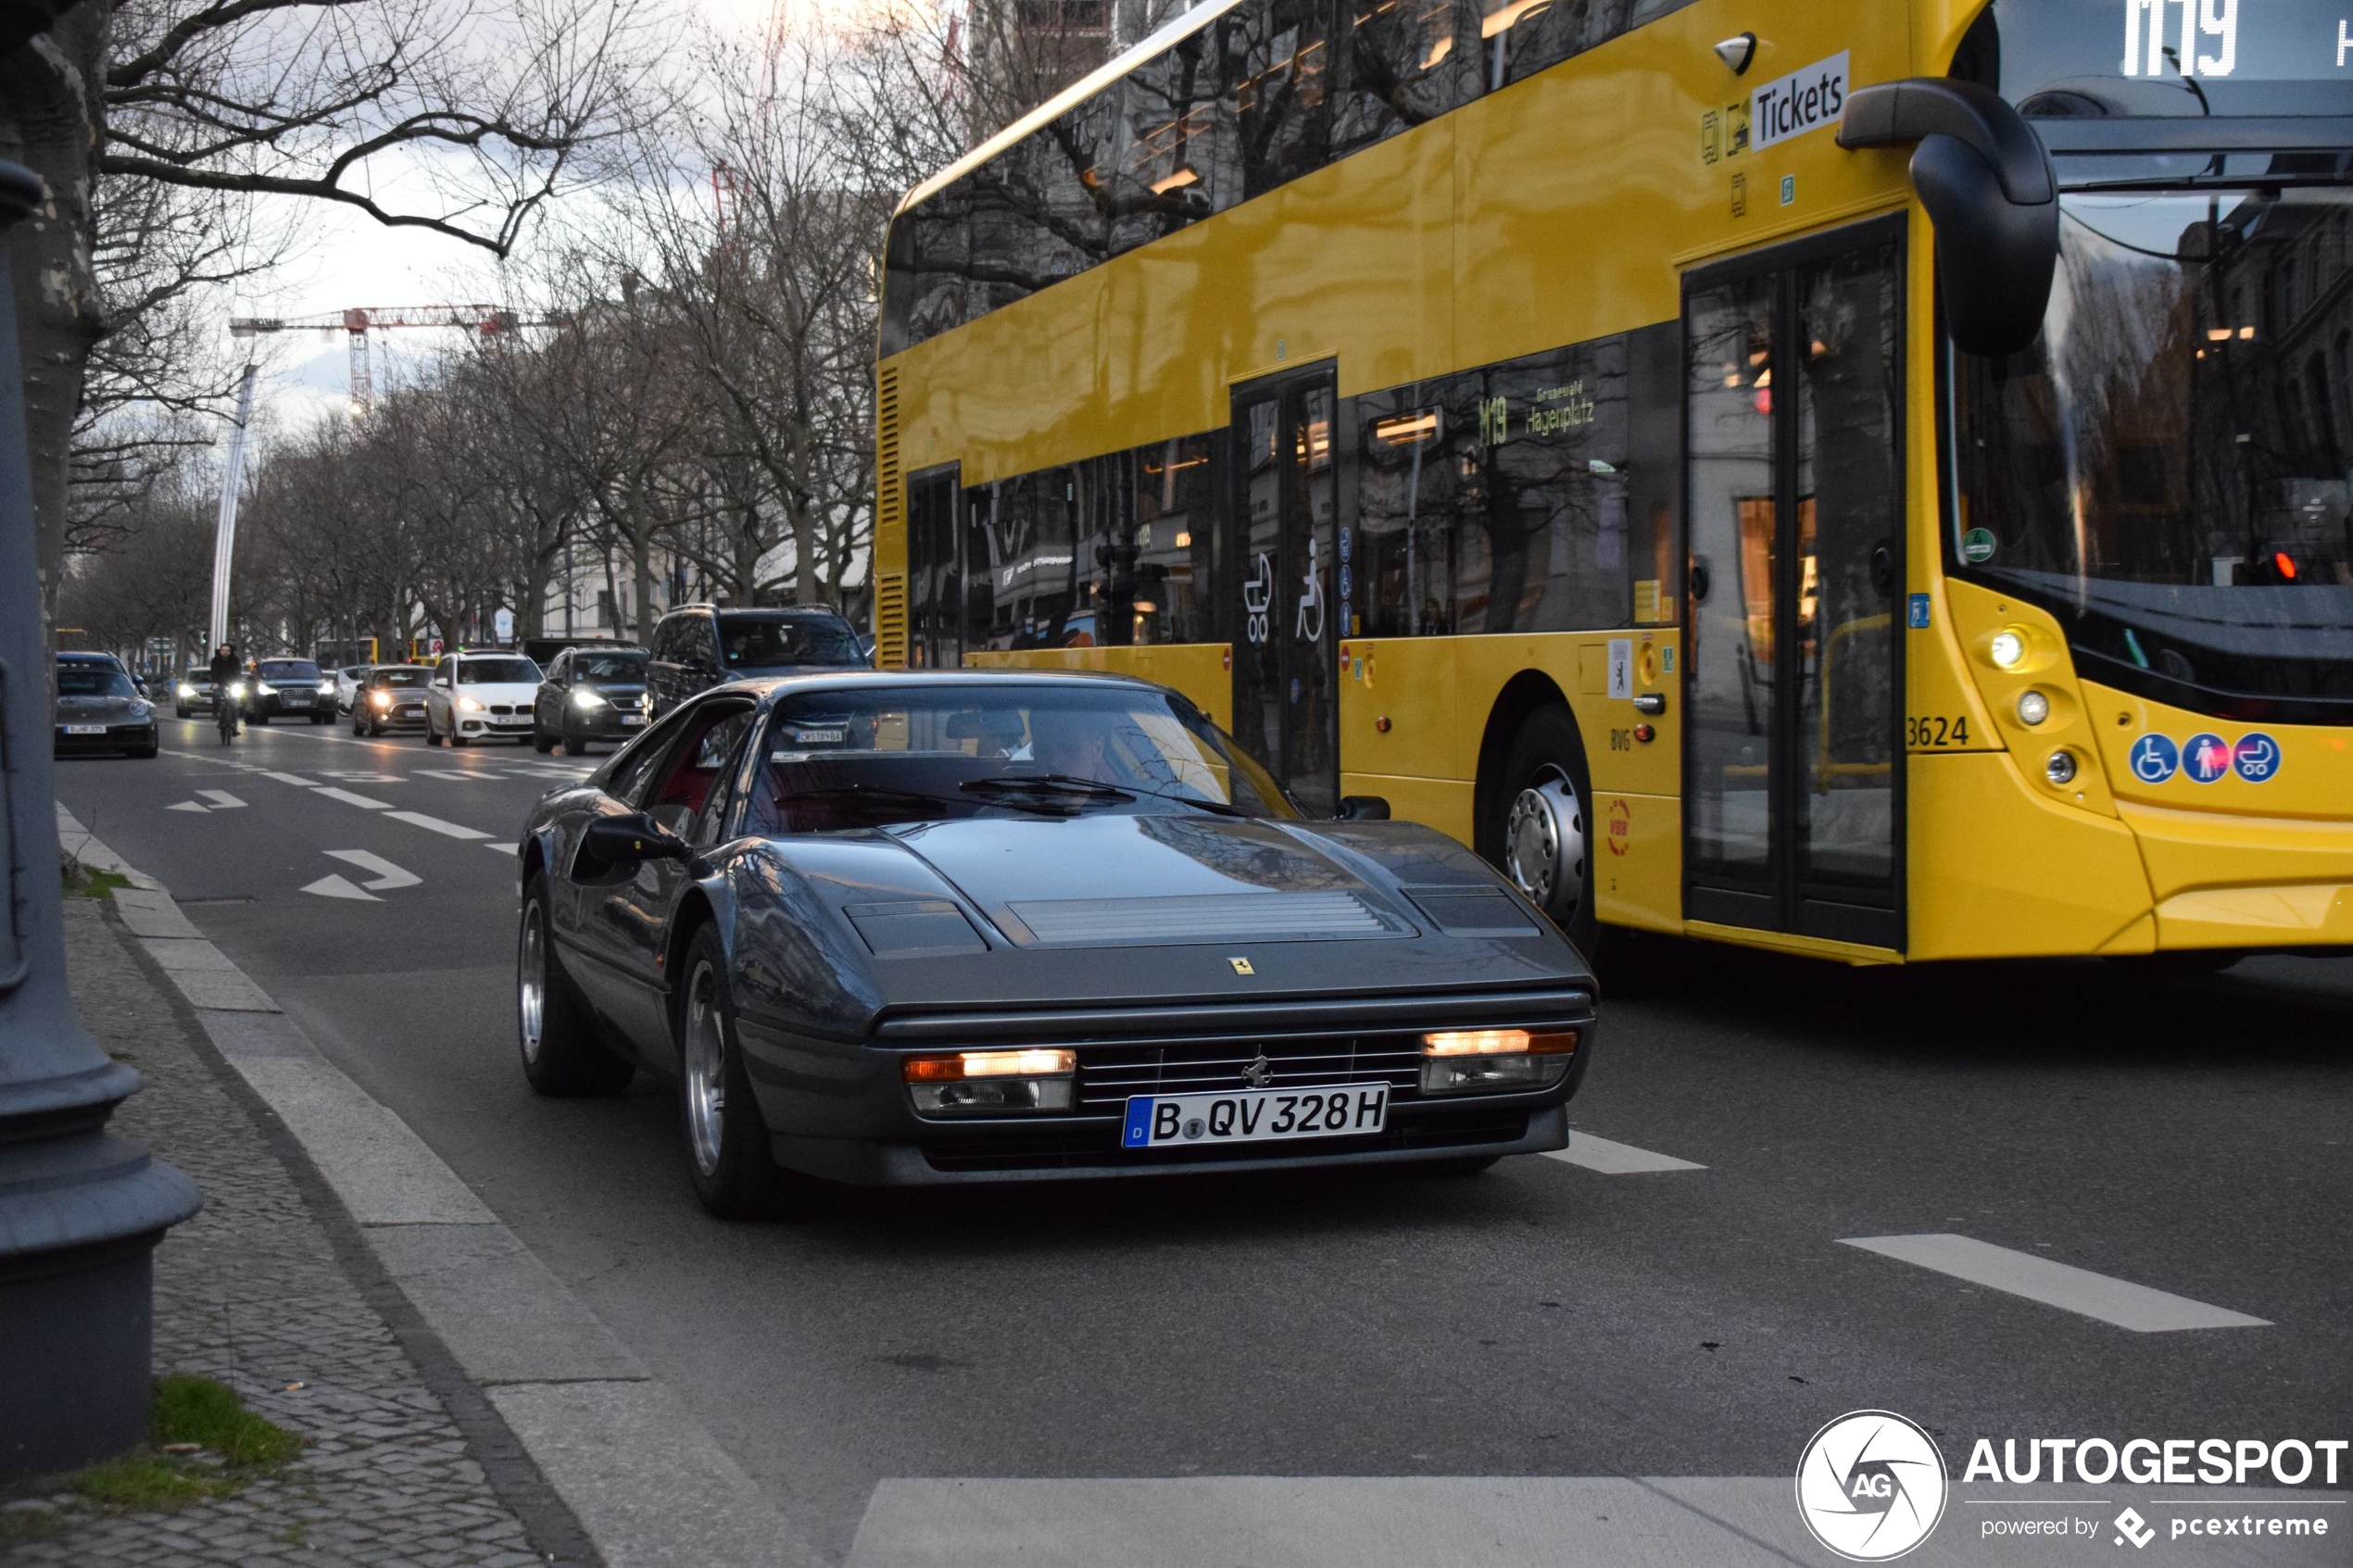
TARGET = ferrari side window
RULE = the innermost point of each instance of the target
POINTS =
(712, 734)
(721, 747)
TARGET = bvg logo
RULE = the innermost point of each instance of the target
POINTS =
(1872, 1485)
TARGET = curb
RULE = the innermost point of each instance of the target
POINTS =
(602, 1461)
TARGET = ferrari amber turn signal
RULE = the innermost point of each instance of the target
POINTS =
(991, 1083)
(1461, 1061)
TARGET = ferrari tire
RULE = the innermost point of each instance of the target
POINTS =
(562, 1056)
(1545, 834)
(728, 1156)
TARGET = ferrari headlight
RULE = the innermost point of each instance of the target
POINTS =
(470, 705)
(991, 1083)
(586, 698)
(1465, 1060)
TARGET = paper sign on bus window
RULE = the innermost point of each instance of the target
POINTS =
(1801, 101)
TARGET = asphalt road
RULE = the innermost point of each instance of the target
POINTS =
(2187, 1135)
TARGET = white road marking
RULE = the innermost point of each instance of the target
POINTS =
(350, 799)
(387, 875)
(295, 779)
(348, 777)
(1616, 1159)
(503, 848)
(453, 774)
(452, 829)
(221, 799)
(188, 806)
(338, 887)
(2054, 1284)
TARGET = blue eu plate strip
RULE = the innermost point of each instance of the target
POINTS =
(1139, 1130)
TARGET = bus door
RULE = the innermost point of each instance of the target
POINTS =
(1793, 507)
(1286, 501)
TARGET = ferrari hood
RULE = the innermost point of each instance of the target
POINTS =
(1110, 878)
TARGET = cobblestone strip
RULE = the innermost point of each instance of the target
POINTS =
(260, 1291)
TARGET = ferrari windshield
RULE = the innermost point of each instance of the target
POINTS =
(2167, 466)
(863, 759)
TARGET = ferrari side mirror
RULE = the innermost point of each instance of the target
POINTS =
(630, 838)
(1362, 809)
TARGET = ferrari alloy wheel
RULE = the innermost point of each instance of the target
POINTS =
(728, 1159)
(562, 1056)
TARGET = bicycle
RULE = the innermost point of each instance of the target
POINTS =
(224, 712)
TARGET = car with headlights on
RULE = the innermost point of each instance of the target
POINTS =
(289, 688)
(99, 709)
(481, 697)
(191, 693)
(591, 694)
(925, 928)
(392, 697)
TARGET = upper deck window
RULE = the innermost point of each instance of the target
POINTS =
(2097, 57)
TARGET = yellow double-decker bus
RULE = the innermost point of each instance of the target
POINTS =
(1864, 479)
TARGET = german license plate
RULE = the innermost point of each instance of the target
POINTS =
(1254, 1115)
(631, 721)
(85, 729)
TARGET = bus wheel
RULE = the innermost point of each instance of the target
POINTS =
(1546, 833)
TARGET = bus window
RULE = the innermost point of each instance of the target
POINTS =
(1176, 526)
(1404, 65)
(1179, 136)
(1405, 482)
(1277, 69)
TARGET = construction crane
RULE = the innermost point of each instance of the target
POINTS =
(489, 320)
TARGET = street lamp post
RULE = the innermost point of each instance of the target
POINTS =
(81, 1210)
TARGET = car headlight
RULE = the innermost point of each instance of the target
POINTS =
(142, 710)
(585, 698)
(326, 688)
(184, 689)
(992, 1083)
(263, 689)
(1463, 1060)
(470, 705)
(381, 700)
(645, 704)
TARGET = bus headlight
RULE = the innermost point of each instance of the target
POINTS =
(991, 1083)
(1462, 1060)
(2033, 707)
(2008, 649)
(2061, 768)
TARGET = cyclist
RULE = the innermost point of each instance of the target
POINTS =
(226, 677)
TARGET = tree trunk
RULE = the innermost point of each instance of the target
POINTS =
(51, 122)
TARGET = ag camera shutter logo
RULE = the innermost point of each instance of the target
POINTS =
(1872, 1485)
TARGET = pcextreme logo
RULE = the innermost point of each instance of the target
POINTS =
(1872, 1485)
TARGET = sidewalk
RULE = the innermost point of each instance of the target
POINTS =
(270, 1290)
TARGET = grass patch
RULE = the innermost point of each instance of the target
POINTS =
(197, 1409)
(88, 882)
(21, 1527)
(232, 1447)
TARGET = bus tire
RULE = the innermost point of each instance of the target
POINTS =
(1546, 836)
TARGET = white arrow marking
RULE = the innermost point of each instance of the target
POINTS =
(188, 806)
(503, 848)
(221, 799)
(336, 887)
(387, 875)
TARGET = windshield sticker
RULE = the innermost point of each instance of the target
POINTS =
(1801, 101)
(1978, 545)
(2155, 758)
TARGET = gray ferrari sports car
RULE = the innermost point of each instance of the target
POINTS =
(936, 927)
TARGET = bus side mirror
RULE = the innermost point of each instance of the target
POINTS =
(1986, 181)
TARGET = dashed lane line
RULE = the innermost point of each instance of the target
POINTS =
(418, 818)
(295, 779)
(350, 798)
(1616, 1159)
(2117, 1301)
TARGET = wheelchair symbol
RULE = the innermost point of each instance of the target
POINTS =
(2155, 758)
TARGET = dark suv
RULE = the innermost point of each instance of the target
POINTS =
(697, 646)
(591, 694)
(290, 688)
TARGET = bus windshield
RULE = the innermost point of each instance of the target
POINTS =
(2169, 466)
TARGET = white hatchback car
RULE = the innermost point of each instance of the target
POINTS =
(479, 697)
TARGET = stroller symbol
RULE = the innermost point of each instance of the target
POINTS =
(1258, 596)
